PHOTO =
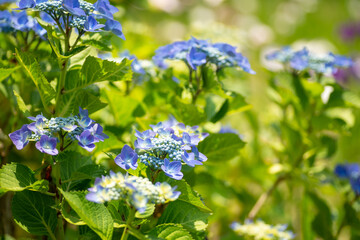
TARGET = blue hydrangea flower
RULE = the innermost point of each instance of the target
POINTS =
(20, 21)
(86, 140)
(195, 53)
(77, 14)
(20, 137)
(305, 60)
(47, 145)
(127, 158)
(87, 132)
(172, 169)
(168, 145)
(352, 173)
(135, 191)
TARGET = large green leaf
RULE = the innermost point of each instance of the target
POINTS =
(80, 98)
(32, 68)
(34, 212)
(188, 195)
(186, 113)
(18, 177)
(221, 146)
(76, 168)
(95, 215)
(189, 216)
(169, 231)
(97, 70)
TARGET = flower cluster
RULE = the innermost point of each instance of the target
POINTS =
(78, 14)
(350, 172)
(43, 130)
(305, 60)
(136, 191)
(19, 21)
(259, 230)
(196, 53)
(166, 147)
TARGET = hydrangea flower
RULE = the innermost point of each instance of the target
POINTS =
(305, 60)
(195, 53)
(351, 172)
(259, 230)
(21, 137)
(127, 158)
(20, 21)
(44, 131)
(47, 145)
(167, 146)
(78, 14)
(136, 191)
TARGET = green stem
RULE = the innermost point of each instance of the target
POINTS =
(131, 217)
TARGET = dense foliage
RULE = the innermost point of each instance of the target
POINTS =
(194, 141)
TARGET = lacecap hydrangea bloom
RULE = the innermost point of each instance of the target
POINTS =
(305, 60)
(78, 14)
(20, 21)
(44, 132)
(196, 53)
(259, 230)
(167, 146)
(350, 172)
(136, 191)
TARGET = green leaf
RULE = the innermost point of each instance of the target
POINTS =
(123, 115)
(97, 40)
(95, 215)
(6, 72)
(73, 170)
(21, 104)
(188, 195)
(119, 212)
(221, 146)
(16, 177)
(32, 67)
(187, 113)
(169, 231)
(189, 216)
(70, 215)
(97, 70)
(34, 212)
(150, 208)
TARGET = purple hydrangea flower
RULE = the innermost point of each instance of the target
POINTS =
(86, 140)
(73, 7)
(127, 158)
(143, 144)
(172, 169)
(144, 135)
(97, 131)
(47, 145)
(189, 159)
(20, 137)
(91, 25)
